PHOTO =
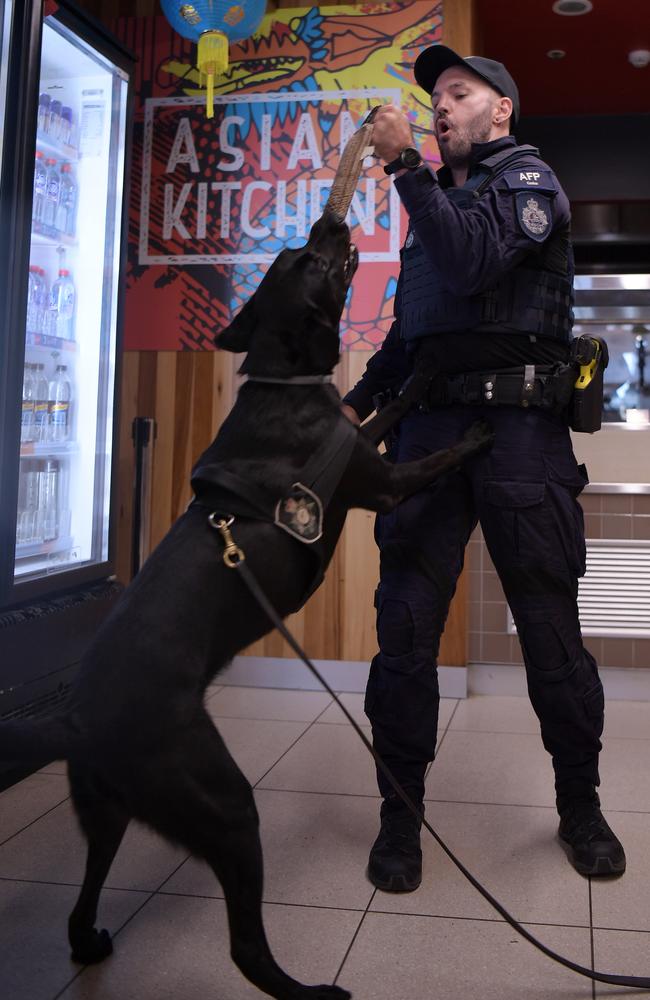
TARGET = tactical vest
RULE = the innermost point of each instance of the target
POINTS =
(531, 299)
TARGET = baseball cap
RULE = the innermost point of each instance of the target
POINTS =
(437, 58)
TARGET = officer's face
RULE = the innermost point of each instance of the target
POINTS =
(463, 113)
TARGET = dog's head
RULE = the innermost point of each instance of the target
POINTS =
(290, 326)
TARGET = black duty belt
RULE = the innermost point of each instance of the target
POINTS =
(546, 386)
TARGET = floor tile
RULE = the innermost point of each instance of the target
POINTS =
(326, 759)
(512, 850)
(354, 705)
(622, 903)
(625, 775)
(257, 744)
(627, 719)
(489, 714)
(409, 958)
(267, 703)
(153, 961)
(34, 953)
(315, 851)
(623, 952)
(53, 850)
(508, 768)
(25, 802)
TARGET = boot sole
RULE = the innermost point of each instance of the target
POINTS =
(397, 883)
(602, 867)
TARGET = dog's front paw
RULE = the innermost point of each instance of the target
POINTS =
(92, 948)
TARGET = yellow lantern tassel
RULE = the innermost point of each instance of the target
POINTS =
(212, 59)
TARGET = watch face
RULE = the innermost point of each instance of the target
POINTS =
(411, 158)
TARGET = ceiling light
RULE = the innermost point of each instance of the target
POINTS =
(556, 53)
(571, 8)
(639, 58)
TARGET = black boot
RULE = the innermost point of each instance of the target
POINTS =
(395, 863)
(592, 847)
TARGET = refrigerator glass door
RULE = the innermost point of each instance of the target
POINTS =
(6, 10)
(70, 337)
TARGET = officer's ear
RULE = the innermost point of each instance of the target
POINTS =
(502, 110)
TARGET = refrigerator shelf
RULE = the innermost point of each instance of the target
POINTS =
(48, 342)
(44, 235)
(48, 449)
(59, 150)
(27, 550)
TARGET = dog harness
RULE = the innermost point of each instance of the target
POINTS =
(299, 510)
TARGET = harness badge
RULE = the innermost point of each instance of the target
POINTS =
(410, 239)
(300, 513)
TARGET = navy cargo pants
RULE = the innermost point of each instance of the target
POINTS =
(523, 492)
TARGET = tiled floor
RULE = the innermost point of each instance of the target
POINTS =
(489, 795)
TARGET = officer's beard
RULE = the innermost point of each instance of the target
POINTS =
(456, 150)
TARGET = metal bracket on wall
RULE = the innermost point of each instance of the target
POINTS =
(143, 432)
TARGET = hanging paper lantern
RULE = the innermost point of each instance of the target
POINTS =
(213, 24)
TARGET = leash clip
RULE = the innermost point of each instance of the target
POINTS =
(232, 554)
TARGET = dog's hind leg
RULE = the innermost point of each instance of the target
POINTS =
(208, 806)
(104, 822)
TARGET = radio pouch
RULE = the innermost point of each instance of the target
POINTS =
(590, 357)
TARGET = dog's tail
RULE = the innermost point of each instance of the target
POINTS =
(33, 741)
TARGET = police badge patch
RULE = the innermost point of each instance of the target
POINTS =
(534, 214)
(410, 239)
(300, 513)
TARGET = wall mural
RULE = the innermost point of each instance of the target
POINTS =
(214, 200)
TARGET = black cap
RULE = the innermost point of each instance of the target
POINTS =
(436, 59)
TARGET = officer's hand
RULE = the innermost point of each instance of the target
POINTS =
(351, 414)
(391, 132)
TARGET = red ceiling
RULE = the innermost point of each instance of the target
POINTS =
(594, 77)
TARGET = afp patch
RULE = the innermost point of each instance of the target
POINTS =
(410, 240)
(534, 214)
(301, 514)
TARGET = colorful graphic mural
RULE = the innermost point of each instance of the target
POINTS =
(214, 200)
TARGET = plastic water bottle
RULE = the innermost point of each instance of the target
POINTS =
(27, 416)
(48, 489)
(41, 409)
(59, 397)
(62, 302)
(51, 193)
(41, 299)
(32, 296)
(40, 187)
(67, 208)
(26, 524)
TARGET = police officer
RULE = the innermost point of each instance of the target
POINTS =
(483, 303)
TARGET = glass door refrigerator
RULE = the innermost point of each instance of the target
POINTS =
(65, 103)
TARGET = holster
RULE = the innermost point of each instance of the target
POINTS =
(589, 359)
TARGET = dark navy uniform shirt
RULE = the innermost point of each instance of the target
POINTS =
(471, 248)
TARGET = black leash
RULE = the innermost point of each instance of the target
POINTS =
(234, 558)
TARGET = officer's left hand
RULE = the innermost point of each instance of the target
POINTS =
(391, 132)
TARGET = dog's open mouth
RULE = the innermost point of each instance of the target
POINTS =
(351, 264)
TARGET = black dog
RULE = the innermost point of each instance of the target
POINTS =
(137, 737)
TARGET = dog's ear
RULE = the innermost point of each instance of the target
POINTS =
(237, 337)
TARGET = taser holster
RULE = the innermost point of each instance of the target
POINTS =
(589, 356)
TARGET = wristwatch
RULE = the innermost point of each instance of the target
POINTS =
(408, 159)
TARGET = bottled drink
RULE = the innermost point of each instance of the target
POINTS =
(51, 193)
(40, 186)
(32, 291)
(40, 404)
(62, 301)
(54, 120)
(65, 129)
(48, 483)
(67, 207)
(43, 112)
(27, 417)
(59, 405)
(40, 300)
(27, 521)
